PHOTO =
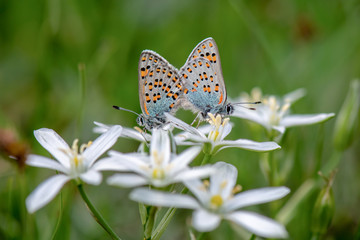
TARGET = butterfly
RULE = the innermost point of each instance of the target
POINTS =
(204, 87)
(160, 89)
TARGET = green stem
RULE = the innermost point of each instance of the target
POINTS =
(319, 149)
(96, 214)
(253, 237)
(270, 168)
(59, 218)
(200, 236)
(166, 220)
(149, 224)
(206, 159)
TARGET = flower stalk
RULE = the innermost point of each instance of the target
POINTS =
(96, 214)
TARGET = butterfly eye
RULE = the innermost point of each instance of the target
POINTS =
(229, 109)
(140, 121)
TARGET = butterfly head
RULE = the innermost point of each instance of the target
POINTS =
(141, 121)
(229, 109)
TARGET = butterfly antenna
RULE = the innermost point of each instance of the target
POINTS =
(124, 109)
(250, 108)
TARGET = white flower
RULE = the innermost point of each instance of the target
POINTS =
(159, 169)
(214, 134)
(137, 135)
(273, 113)
(70, 162)
(216, 201)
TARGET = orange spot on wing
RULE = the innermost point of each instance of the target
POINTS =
(193, 90)
(210, 44)
(145, 109)
(221, 98)
(144, 73)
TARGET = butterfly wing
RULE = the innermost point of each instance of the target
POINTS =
(159, 85)
(202, 74)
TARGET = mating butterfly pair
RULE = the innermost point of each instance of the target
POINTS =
(198, 85)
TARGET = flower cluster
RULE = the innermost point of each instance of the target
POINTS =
(153, 174)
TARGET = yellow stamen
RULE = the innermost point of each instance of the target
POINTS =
(84, 146)
(237, 189)
(223, 184)
(158, 173)
(138, 129)
(216, 201)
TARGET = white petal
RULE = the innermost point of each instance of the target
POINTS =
(54, 144)
(45, 192)
(280, 129)
(295, 95)
(198, 189)
(126, 132)
(308, 119)
(194, 173)
(226, 130)
(91, 177)
(256, 196)
(164, 199)
(109, 164)
(258, 224)
(184, 126)
(252, 115)
(132, 162)
(160, 147)
(127, 180)
(250, 145)
(136, 135)
(101, 144)
(44, 162)
(204, 221)
(100, 127)
(182, 160)
(223, 180)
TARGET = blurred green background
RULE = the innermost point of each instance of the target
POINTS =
(277, 45)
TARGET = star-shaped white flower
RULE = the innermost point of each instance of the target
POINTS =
(137, 135)
(214, 134)
(273, 112)
(160, 168)
(216, 201)
(70, 162)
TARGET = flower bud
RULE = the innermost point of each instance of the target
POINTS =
(347, 120)
(324, 209)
